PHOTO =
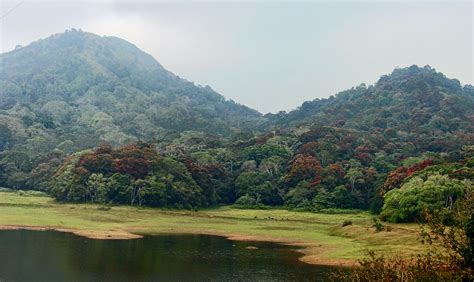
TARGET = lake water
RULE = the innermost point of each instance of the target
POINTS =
(56, 256)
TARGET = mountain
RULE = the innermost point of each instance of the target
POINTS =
(409, 104)
(76, 90)
(83, 89)
(412, 130)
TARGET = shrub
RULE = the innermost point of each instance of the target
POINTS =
(104, 208)
(377, 225)
(346, 223)
(380, 268)
(339, 211)
(451, 257)
(248, 202)
(32, 193)
(4, 190)
(436, 192)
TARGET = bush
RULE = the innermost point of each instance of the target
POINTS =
(407, 203)
(381, 268)
(305, 205)
(339, 211)
(104, 208)
(32, 193)
(377, 225)
(5, 190)
(248, 202)
(346, 223)
(450, 258)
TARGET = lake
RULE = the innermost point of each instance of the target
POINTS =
(57, 256)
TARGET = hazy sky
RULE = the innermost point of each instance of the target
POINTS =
(267, 55)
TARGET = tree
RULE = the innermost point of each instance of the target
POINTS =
(304, 168)
(5, 136)
(211, 178)
(450, 258)
(300, 197)
(456, 237)
(153, 193)
(97, 163)
(96, 188)
(341, 197)
(407, 203)
(118, 187)
(354, 175)
(323, 199)
(272, 166)
(257, 185)
(248, 202)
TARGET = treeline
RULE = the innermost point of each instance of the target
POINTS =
(267, 173)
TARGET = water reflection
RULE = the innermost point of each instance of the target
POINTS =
(56, 256)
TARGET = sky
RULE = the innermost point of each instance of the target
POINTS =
(270, 56)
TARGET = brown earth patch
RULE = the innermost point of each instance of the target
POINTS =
(91, 234)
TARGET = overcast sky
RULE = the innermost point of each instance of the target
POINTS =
(267, 55)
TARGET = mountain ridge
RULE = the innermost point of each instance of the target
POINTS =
(70, 77)
(409, 87)
(113, 92)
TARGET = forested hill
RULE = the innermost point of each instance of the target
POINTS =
(85, 89)
(64, 95)
(409, 101)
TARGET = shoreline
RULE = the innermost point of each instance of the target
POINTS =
(319, 239)
(311, 252)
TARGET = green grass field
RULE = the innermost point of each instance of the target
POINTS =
(322, 235)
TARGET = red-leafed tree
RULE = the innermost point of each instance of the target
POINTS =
(209, 177)
(136, 160)
(136, 167)
(304, 168)
(309, 149)
(97, 163)
(396, 177)
(419, 166)
(333, 175)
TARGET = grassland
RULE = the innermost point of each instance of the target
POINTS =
(323, 237)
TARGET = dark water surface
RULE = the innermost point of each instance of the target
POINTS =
(55, 256)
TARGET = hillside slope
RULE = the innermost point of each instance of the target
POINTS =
(410, 102)
(86, 89)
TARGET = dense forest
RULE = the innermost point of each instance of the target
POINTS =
(94, 119)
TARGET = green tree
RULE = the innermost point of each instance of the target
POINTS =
(341, 197)
(407, 203)
(323, 199)
(96, 188)
(354, 175)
